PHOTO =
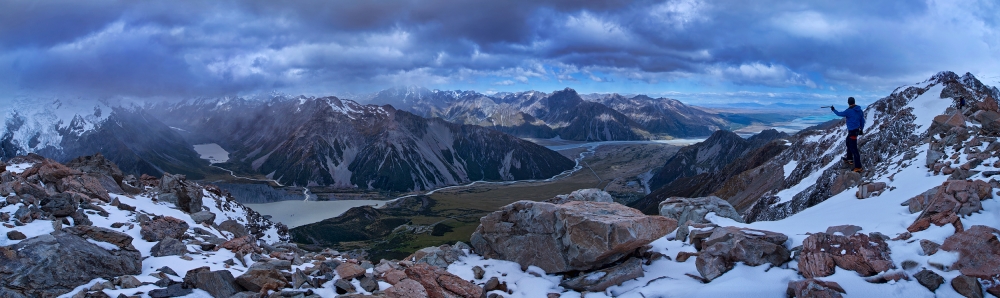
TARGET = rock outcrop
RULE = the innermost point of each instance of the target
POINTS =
(720, 248)
(54, 264)
(949, 201)
(566, 237)
(693, 210)
(821, 253)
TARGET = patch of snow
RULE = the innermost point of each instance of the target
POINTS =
(789, 167)
(928, 105)
(789, 193)
(104, 245)
(19, 168)
(752, 232)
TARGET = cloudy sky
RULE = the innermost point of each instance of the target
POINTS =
(697, 51)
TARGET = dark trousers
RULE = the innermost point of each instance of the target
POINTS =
(852, 148)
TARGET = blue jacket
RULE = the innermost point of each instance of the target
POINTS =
(855, 117)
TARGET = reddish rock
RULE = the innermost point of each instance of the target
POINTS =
(406, 288)
(572, 236)
(245, 245)
(978, 251)
(349, 271)
(814, 288)
(949, 121)
(393, 276)
(684, 256)
(821, 252)
(255, 280)
(440, 284)
(951, 200)
(162, 227)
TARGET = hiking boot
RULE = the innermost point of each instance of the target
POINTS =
(857, 170)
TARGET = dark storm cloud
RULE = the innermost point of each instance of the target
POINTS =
(206, 48)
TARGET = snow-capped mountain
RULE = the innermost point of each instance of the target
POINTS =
(65, 129)
(563, 113)
(341, 143)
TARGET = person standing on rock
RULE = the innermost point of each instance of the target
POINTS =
(855, 127)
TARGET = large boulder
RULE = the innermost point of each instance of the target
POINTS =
(60, 204)
(54, 264)
(217, 283)
(694, 210)
(585, 195)
(186, 195)
(566, 237)
(821, 253)
(978, 251)
(104, 170)
(168, 247)
(162, 227)
(721, 248)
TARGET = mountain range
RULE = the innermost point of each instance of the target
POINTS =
(563, 113)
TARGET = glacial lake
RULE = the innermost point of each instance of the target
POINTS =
(298, 213)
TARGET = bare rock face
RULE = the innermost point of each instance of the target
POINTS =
(566, 237)
(56, 263)
(720, 249)
(954, 198)
(440, 284)
(600, 280)
(814, 288)
(694, 210)
(865, 254)
(586, 195)
(978, 251)
(162, 227)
